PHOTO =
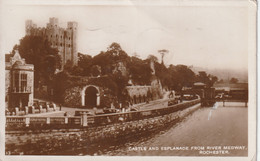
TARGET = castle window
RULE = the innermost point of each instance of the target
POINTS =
(69, 45)
(56, 36)
(20, 82)
(16, 82)
(56, 44)
(69, 38)
(23, 82)
(51, 35)
(60, 44)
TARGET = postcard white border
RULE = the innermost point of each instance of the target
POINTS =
(251, 72)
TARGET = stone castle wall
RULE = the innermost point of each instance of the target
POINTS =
(63, 141)
(137, 94)
(72, 97)
(138, 90)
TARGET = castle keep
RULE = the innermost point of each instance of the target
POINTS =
(65, 40)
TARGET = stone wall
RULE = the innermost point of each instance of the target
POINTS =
(69, 141)
(139, 94)
(138, 90)
(72, 97)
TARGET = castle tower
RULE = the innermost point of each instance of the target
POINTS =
(53, 22)
(29, 25)
(72, 28)
(65, 40)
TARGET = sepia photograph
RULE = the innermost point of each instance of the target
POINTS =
(129, 78)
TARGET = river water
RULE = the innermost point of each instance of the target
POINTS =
(217, 131)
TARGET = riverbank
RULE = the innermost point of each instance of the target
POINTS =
(64, 141)
(221, 131)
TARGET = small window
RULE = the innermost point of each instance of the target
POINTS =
(51, 35)
(60, 44)
(16, 82)
(23, 82)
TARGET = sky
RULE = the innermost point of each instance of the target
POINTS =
(214, 37)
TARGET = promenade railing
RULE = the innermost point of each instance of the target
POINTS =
(39, 122)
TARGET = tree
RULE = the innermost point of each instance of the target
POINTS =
(163, 52)
(60, 84)
(208, 79)
(37, 51)
(181, 76)
(95, 70)
(221, 81)
(107, 59)
(233, 80)
(152, 58)
(85, 62)
(213, 80)
(139, 70)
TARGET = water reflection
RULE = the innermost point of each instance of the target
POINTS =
(225, 128)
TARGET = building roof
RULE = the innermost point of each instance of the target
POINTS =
(15, 62)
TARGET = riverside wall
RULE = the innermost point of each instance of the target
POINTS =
(68, 140)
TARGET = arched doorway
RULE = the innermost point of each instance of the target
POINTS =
(90, 96)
